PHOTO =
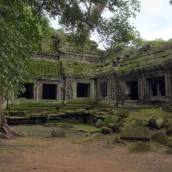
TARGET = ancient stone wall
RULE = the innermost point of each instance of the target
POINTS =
(144, 78)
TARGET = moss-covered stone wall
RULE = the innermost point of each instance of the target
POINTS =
(153, 59)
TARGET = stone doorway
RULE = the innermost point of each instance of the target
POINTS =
(103, 89)
(131, 90)
(49, 91)
(83, 90)
(157, 87)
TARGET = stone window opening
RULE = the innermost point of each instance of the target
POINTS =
(131, 90)
(157, 87)
(104, 89)
(83, 90)
(28, 93)
(49, 91)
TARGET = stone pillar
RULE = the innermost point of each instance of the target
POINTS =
(37, 90)
(93, 89)
(167, 86)
(74, 90)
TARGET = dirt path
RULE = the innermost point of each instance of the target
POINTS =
(63, 155)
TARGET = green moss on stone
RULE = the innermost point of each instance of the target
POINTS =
(139, 147)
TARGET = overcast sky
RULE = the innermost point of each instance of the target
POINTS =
(154, 20)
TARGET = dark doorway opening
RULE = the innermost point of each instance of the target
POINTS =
(154, 87)
(28, 93)
(157, 87)
(103, 89)
(49, 91)
(162, 87)
(83, 90)
(131, 90)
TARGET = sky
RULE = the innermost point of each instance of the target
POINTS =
(154, 20)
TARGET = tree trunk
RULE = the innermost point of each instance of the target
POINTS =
(7, 132)
(97, 10)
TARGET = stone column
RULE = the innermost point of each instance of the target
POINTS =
(167, 86)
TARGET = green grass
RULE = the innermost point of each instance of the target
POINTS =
(86, 128)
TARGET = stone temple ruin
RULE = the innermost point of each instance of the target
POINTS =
(69, 81)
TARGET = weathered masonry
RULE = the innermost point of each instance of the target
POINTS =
(137, 79)
(69, 81)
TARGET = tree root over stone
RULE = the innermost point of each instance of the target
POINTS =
(8, 132)
(112, 141)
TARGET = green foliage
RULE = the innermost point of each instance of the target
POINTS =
(81, 17)
(139, 42)
(22, 22)
(18, 35)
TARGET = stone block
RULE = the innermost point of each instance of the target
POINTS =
(139, 147)
(121, 113)
(160, 138)
(157, 122)
(136, 133)
(58, 133)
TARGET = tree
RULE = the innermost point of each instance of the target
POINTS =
(170, 2)
(19, 32)
(82, 17)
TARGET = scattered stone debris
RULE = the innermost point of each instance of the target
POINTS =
(140, 123)
(157, 122)
(111, 119)
(116, 128)
(121, 113)
(135, 133)
(169, 129)
(106, 130)
(99, 123)
(139, 147)
(58, 133)
(160, 138)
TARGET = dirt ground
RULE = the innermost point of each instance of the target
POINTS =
(41, 153)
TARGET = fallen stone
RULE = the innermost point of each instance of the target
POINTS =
(139, 147)
(106, 130)
(160, 138)
(58, 133)
(136, 133)
(157, 122)
(111, 119)
(169, 129)
(121, 113)
(116, 128)
(99, 123)
(110, 125)
(140, 123)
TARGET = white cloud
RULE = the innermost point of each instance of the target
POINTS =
(154, 20)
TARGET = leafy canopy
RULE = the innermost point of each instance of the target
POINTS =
(20, 22)
(19, 34)
(82, 17)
